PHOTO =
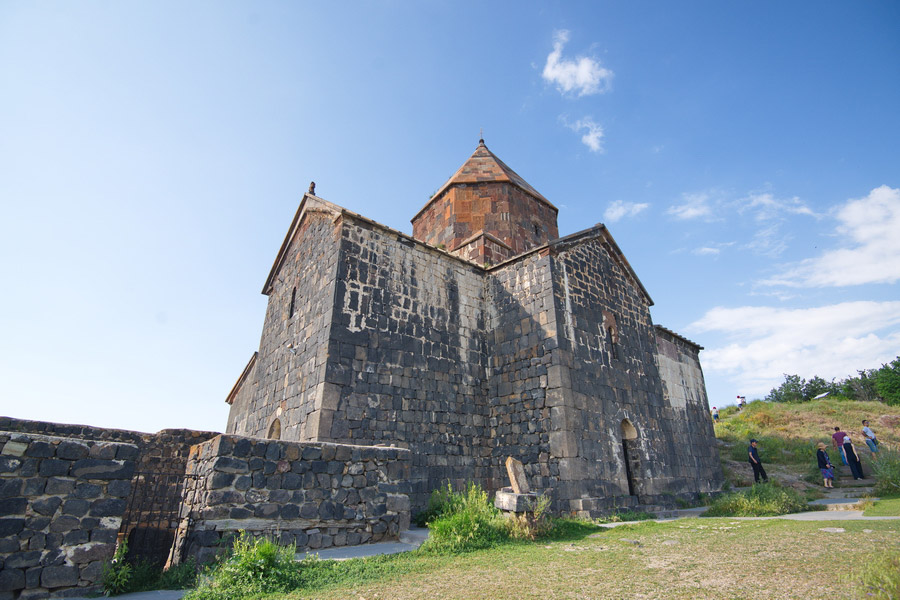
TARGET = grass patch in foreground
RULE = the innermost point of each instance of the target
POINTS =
(880, 578)
(686, 559)
(761, 500)
(885, 507)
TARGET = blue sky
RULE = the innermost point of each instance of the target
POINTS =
(743, 154)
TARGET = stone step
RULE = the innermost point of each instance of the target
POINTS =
(839, 503)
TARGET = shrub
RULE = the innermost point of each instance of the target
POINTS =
(117, 572)
(465, 521)
(886, 468)
(253, 567)
(761, 500)
(880, 577)
(533, 524)
(440, 502)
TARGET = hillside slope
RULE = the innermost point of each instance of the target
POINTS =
(788, 434)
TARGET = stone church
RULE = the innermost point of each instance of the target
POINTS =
(483, 335)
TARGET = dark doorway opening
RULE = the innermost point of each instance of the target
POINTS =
(629, 452)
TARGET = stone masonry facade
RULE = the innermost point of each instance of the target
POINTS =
(548, 355)
(61, 507)
(314, 495)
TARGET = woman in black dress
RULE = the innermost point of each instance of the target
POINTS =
(852, 458)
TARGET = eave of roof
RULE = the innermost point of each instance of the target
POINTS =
(680, 337)
(237, 385)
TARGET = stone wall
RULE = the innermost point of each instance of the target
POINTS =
(522, 336)
(625, 439)
(61, 507)
(151, 515)
(406, 358)
(315, 495)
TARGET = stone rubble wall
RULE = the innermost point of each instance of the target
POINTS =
(61, 506)
(522, 333)
(151, 515)
(407, 357)
(314, 495)
(610, 378)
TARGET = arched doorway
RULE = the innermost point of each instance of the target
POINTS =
(275, 430)
(630, 454)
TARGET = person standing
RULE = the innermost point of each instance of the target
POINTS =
(853, 458)
(837, 440)
(715, 414)
(869, 436)
(758, 470)
(825, 465)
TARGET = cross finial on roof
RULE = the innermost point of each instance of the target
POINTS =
(481, 136)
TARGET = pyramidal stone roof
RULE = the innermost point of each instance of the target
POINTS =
(484, 167)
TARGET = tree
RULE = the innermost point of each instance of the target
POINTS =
(789, 391)
(816, 386)
(887, 382)
(861, 387)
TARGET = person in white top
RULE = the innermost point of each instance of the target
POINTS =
(869, 435)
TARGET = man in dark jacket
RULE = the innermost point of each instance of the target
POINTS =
(758, 470)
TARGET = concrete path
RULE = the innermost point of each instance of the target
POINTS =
(156, 595)
(410, 539)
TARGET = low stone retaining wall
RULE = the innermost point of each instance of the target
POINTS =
(151, 516)
(61, 506)
(313, 494)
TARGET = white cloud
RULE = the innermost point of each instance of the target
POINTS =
(695, 206)
(871, 254)
(593, 133)
(762, 344)
(767, 207)
(706, 251)
(619, 209)
(583, 75)
(769, 241)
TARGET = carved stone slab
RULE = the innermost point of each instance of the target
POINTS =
(517, 476)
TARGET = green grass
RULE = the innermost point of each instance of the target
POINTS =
(689, 558)
(884, 507)
(880, 577)
(761, 500)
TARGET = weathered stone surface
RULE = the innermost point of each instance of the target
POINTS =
(93, 468)
(59, 576)
(517, 478)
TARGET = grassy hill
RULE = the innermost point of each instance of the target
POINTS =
(788, 434)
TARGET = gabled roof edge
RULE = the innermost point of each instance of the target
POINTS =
(680, 337)
(237, 384)
(282, 252)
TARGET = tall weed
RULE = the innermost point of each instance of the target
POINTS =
(761, 500)
(465, 521)
(886, 468)
(253, 567)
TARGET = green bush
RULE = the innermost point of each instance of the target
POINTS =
(440, 502)
(465, 521)
(253, 567)
(761, 500)
(886, 468)
(880, 577)
(117, 573)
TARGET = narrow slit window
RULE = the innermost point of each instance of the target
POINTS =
(293, 301)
